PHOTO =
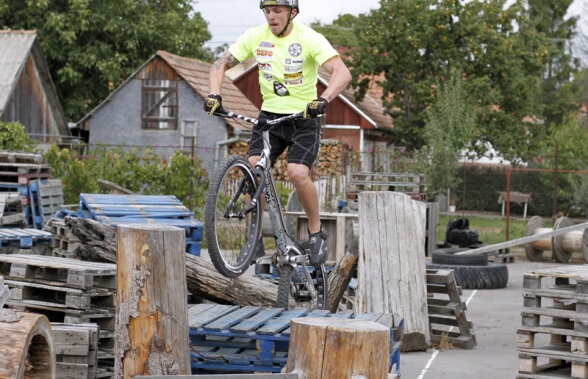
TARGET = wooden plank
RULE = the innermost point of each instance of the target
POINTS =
(198, 320)
(232, 318)
(257, 320)
(524, 240)
(225, 376)
(391, 270)
(280, 323)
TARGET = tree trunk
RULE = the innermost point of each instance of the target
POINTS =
(338, 348)
(339, 279)
(391, 275)
(26, 345)
(99, 242)
(152, 309)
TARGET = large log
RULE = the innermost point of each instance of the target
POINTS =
(339, 279)
(338, 348)
(26, 346)
(99, 242)
(391, 275)
(152, 309)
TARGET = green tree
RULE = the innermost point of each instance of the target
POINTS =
(414, 43)
(92, 46)
(341, 32)
(557, 95)
(14, 137)
(450, 121)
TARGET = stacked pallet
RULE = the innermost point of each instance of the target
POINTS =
(46, 199)
(446, 311)
(232, 338)
(20, 167)
(25, 241)
(166, 210)
(12, 214)
(76, 350)
(4, 292)
(65, 244)
(553, 338)
(66, 291)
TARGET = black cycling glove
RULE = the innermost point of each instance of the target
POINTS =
(316, 108)
(213, 103)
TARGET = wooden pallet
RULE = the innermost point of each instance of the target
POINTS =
(72, 273)
(132, 209)
(232, 338)
(76, 347)
(12, 213)
(554, 331)
(447, 311)
(65, 243)
(62, 297)
(46, 199)
(4, 292)
(25, 241)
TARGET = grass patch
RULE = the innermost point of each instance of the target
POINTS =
(490, 230)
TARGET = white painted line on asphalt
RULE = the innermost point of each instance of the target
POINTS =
(435, 352)
(429, 363)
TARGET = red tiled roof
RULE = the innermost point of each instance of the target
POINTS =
(195, 72)
(371, 104)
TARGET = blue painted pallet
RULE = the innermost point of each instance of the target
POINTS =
(232, 338)
(25, 238)
(132, 209)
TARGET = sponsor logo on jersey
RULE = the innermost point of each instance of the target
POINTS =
(295, 82)
(297, 75)
(267, 44)
(295, 49)
(268, 77)
(292, 68)
(294, 61)
(265, 66)
(262, 53)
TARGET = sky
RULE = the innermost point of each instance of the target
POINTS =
(228, 19)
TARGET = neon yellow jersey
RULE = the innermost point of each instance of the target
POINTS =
(287, 63)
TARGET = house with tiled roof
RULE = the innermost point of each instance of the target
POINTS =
(161, 106)
(27, 93)
(362, 125)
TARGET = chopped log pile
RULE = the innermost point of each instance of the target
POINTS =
(330, 161)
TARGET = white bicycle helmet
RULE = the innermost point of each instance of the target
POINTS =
(289, 3)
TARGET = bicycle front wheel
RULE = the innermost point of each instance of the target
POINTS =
(231, 231)
(293, 285)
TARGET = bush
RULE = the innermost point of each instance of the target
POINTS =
(13, 137)
(144, 173)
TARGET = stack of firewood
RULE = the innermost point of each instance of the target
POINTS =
(330, 161)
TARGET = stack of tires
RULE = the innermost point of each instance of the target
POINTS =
(459, 233)
(472, 271)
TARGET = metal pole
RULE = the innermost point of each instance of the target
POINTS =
(507, 204)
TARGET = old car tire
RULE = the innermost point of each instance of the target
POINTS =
(492, 276)
(446, 256)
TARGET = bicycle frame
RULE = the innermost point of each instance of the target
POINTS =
(289, 251)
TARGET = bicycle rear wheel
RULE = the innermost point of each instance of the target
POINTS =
(232, 233)
(292, 285)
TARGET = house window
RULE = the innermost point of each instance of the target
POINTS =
(159, 104)
(189, 132)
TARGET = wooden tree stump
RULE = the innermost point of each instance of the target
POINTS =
(391, 274)
(338, 348)
(26, 346)
(151, 331)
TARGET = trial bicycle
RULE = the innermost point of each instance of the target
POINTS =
(233, 222)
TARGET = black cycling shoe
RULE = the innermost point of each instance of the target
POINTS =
(259, 252)
(318, 247)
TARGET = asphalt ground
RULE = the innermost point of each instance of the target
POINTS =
(496, 315)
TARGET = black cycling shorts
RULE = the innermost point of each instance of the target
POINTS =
(302, 137)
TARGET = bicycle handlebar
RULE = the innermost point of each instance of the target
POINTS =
(255, 121)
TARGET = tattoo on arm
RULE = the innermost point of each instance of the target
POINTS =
(227, 60)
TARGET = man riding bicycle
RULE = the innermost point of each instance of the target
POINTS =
(288, 55)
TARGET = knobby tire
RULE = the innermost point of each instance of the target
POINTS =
(232, 242)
